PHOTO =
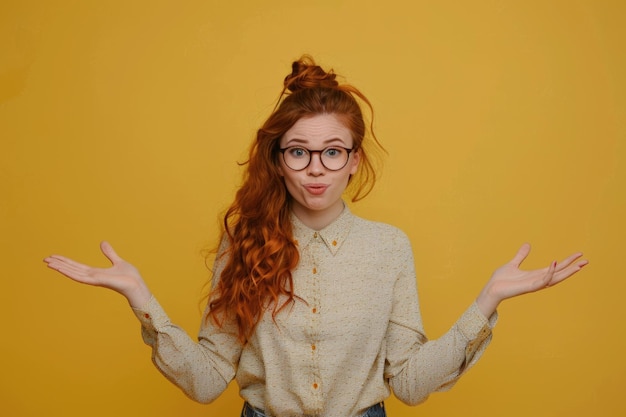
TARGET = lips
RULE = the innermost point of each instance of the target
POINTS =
(316, 189)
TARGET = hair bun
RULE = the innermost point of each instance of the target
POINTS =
(306, 74)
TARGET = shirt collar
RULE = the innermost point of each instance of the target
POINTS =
(332, 235)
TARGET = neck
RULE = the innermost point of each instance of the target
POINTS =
(318, 219)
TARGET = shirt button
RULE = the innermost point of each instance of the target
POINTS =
(312, 347)
(315, 270)
(334, 243)
(315, 235)
(147, 315)
(315, 385)
(314, 310)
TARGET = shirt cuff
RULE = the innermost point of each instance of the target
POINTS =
(151, 315)
(474, 325)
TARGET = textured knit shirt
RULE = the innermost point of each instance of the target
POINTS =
(354, 332)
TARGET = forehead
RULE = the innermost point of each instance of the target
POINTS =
(318, 129)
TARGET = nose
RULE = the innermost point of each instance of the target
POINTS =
(315, 167)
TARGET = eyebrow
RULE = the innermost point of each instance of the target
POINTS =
(297, 140)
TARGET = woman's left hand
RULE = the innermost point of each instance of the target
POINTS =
(510, 281)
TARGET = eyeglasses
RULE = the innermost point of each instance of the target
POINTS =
(333, 158)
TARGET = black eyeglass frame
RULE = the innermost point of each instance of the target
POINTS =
(311, 152)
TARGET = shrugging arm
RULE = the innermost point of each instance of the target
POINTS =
(415, 366)
(201, 369)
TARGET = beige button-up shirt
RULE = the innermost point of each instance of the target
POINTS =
(356, 332)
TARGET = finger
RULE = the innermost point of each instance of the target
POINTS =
(568, 261)
(550, 274)
(565, 273)
(58, 260)
(108, 251)
(521, 254)
(70, 269)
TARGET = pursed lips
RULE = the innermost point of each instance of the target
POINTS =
(316, 189)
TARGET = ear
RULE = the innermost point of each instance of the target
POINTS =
(356, 159)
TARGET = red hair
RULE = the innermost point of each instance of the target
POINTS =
(261, 251)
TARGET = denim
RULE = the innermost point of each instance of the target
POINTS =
(249, 411)
(377, 410)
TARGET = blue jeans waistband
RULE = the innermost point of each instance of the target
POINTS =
(377, 410)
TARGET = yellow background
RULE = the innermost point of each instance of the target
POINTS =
(123, 120)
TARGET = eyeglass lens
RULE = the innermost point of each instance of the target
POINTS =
(333, 158)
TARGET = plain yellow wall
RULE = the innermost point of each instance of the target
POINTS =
(123, 120)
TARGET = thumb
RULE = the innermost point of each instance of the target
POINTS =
(521, 254)
(108, 251)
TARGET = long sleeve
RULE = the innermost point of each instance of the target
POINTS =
(416, 367)
(201, 369)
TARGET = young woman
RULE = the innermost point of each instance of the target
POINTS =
(313, 310)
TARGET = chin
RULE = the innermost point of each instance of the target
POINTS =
(322, 206)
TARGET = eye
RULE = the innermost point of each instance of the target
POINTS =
(296, 152)
(333, 152)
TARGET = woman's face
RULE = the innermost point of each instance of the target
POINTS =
(317, 190)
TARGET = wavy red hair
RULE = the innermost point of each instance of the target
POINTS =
(261, 252)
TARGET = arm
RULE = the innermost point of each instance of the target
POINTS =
(418, 367)
(202, 370)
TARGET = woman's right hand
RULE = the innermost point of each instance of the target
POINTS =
(121, 277)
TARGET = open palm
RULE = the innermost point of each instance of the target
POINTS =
(121, 276)
(510, 281)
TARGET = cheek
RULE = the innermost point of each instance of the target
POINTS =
(289, 179)
(355, 163)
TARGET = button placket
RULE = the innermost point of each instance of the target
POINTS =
(317, 245)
